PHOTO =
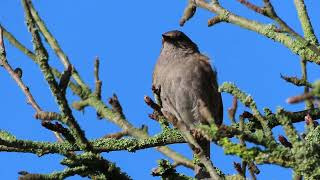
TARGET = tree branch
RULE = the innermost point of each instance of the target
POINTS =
(17, 44)
(248, 101)
(252, 6)
(302, 48)
(56, 175)
(42, 58)
(18, 80)
(55, 46)
(305, 22)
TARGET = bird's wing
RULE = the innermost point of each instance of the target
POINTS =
(210, 101)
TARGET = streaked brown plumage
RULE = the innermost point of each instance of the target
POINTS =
(188, 83)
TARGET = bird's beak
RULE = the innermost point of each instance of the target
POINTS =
(166, 36)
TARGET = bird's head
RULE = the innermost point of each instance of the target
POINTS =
(178, 39)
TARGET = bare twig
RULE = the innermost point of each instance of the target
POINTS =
(233, 109)
(65, 79)
(238, 168)
(17, 44)
(115, 104)
(98, 82)
(310, 121)
(296, 81)
(18, 71)
(75, 88)
(284, 141)
(309, 103)
(19, 81)
(188, 13)
(117, 135)
(242, 142)
(215, 20)
(152, 104)
(48, 116)
(253, 169)
(61, 100)
(270, 12)
(57, 127)
(55, 46)
(300, 98)
(252, 6)
(311, 53)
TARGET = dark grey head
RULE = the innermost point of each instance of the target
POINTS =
(179, 40)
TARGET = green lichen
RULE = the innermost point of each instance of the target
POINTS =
(4, 135)
(235, 177)
(316, 89)
(239, 150)
(167, 171)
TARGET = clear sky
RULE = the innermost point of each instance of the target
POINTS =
(126, 35)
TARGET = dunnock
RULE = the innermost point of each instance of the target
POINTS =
(188, 84)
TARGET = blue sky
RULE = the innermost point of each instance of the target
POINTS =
(127, 38)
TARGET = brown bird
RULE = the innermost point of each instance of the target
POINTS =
(188, 84)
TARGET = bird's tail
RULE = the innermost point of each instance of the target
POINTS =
(193, 140)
